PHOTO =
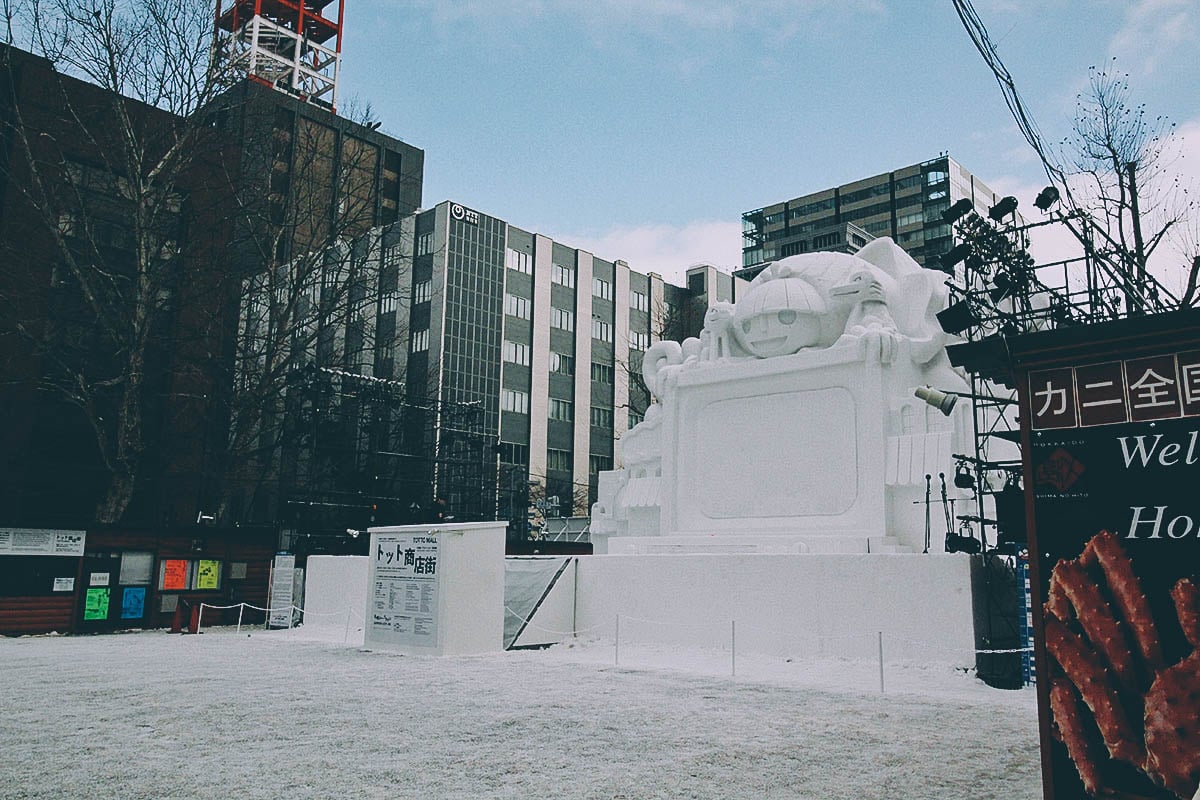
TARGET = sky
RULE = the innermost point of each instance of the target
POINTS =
(643, 129)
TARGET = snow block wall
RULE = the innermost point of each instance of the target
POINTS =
(798, 606)
(787, 605)
(335, 586)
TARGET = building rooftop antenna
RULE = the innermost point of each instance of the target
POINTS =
(293, 46)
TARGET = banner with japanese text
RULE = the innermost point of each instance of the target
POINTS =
(404, 586)
(1115, 477)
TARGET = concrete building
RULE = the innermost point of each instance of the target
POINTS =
(513, 361)
(905, 204)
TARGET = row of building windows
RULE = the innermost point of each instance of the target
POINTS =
(601, 330)
(425, 244)
(602, 373)
(558, 460)
(516, 306)
(561, 410)
(561, 318)
(639, 340)
(562, 275)
(516, 353)
(602, 289)
(514, 401)
(561, 363)
(518, 261)
(602, 418)
(421, 291)
(639, 302)
(420, 341)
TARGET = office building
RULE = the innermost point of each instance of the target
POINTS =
(496, 366)
(905, 204)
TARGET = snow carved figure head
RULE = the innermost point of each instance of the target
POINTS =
(779, 317)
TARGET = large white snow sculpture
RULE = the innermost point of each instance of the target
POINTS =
(790, 424)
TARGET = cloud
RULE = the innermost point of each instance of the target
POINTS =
(1156, 32)
(667, 249)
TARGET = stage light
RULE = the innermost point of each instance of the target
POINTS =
(957, 317)
(942, 401)
(1006, 206)
(953, 256)
(1046, 198)
(963, 478)
(1002, 286)
(957, 543)
(957, 211)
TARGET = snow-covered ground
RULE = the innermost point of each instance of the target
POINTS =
(301, 714)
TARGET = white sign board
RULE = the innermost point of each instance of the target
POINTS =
(64, 584)
(282, 577)
(39, 542)
(402, 606)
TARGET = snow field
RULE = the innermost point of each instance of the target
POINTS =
(299, 714)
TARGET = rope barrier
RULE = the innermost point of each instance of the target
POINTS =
(530, 623)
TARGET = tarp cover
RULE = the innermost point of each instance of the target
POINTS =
(527, 580)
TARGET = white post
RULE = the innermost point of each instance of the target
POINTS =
(733, 647)
(881, 662)
(241, 608)
(199, 618)
(617, 644)
(575, 600)
(346, 636)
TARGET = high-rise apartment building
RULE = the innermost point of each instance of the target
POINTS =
(501, 365)
(905, 204)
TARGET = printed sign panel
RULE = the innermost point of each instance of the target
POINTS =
(95, 604)
(37, 542)
(282, 584)
(64, 584)
(133, 602)
(1118, 543)
(403, 601)
(208, 574)
(175, 575)
(98, 579)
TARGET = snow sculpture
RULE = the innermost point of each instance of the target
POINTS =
(789, 424)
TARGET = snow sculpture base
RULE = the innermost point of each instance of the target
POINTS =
(791, 426)
(436, 589)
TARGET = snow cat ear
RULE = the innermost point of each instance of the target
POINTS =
(889, 257)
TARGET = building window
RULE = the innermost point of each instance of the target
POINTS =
(793, 248)
(425, 244)
(421, 291)
(602, 373)
(601, 330)
(513, 453)
(561, 410)
(826, 240)
(635, 417)
(638, 340)
(562, 363)
(597, 464)
(514, 401)
(910, 219)
(564, 276)
(558, 460)
(518, 261)
(420, 341)
(602, 289)
(387, 303)
(639, 302)
(602, 418)
(516, 306)
(516, 353)
(561, 318)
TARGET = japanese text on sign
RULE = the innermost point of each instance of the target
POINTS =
(1134, 390)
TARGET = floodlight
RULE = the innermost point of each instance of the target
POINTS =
(1046, 198)
(942, 401)
(953, 256)
(957, 211)
(1002, 286)
(957, 317)
(1002, 209)
(963, 478)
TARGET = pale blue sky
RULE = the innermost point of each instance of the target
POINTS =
(642, 129)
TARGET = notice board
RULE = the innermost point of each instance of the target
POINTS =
(1111, 433)
(403, 589)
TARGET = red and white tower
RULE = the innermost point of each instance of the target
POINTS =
(294, 46)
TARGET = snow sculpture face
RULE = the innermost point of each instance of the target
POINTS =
(779, 317)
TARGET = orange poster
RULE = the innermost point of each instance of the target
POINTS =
(175, 575)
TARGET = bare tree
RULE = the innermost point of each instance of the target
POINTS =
(1121, 162)
(102, 178)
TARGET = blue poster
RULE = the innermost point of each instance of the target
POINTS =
(133, 602)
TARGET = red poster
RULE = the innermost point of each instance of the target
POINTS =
(175, 575)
